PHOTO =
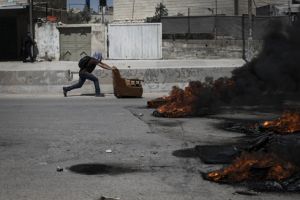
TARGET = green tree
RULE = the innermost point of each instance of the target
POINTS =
(86, 14)
(160, 11)
(73, 17)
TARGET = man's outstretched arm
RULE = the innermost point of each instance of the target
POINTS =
(104, 66)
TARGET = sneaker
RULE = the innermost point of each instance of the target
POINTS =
(99, 95)
(65, 91)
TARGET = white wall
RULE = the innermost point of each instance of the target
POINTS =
(98, 40)
(141, 9)
(47, 38)
(12, 2)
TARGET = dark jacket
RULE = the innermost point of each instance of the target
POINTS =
(28, 42)
(91, 65)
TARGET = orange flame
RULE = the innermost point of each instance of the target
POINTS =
(182, 103)
(243, 168)
(288, 123)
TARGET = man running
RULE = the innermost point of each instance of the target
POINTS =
(85, 72)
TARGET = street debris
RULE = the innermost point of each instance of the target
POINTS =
(108, 198)
(59, 169)
(108, 151)
(246, 192)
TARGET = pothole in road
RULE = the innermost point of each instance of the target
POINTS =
(165, 123)
(8, 143)
(98, 169)
(186, 153)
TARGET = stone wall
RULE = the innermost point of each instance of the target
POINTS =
(207, 49)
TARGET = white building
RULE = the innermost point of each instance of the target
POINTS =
(4, 3)
(141, 9)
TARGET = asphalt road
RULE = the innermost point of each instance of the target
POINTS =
(105, 147)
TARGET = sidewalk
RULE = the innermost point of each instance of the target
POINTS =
(122, 64)
(159, 75)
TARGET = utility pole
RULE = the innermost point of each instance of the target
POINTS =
(189, 21)
(88, 4)
(236, 7)
(216, 15)
(102, 4)
(133, 5)
(30, 2)
(250, 14)
(289, 11)
(216, 4)
(102, 12)
(249, 55)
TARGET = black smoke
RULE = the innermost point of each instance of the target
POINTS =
(276, 70)
(271, 78)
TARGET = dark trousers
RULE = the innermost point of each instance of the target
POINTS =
(27, 53)
(82, 78)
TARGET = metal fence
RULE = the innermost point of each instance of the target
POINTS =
(231, 27)
(43, 12)
(135, 41)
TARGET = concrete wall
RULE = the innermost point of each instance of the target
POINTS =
(159, 75)
(207, 49)
(51, 82)
(234, 27)
(47, 38)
